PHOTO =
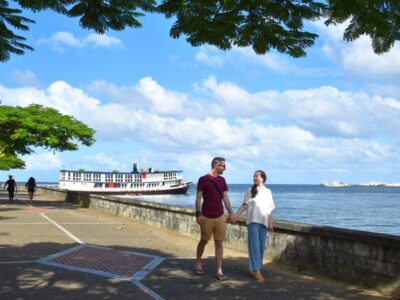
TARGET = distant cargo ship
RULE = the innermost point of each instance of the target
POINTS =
(388, 184)
(335, 184)
(137, 182)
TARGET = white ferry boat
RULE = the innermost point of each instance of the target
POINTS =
(137, 182)
(335, 184)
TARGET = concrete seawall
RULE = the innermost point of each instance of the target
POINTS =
(367, 259)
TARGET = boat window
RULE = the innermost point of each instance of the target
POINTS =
(87, 177)
(109, 177)
(76, 176)
(118, 177)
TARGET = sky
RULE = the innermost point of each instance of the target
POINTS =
(330, 116)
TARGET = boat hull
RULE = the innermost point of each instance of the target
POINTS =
(178, 190)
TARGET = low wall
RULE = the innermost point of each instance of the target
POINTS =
(368, 259)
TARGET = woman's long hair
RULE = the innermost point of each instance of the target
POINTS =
(254, 190)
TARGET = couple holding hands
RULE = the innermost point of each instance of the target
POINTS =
(258, 202)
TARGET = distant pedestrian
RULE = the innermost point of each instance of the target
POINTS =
(11, 187)
(31, 186)
(260, 204)
(210, 213)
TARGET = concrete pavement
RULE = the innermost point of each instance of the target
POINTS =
(54, 250)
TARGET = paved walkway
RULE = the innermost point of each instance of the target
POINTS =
(54, 250)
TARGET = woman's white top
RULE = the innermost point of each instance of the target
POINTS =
(260, 206)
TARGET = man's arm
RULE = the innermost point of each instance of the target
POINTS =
(199, 217)
(227, 203)
(232, 216)
(199, 194)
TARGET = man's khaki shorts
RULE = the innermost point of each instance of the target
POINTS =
(214, 227)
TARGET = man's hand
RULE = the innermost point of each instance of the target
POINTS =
(200, 220)
(232, 218)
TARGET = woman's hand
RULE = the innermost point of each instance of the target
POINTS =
(270, 227)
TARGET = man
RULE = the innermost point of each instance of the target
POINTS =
(11, 187)
(210, 214)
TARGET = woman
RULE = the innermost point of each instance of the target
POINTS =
(259, 203)
(31, 186)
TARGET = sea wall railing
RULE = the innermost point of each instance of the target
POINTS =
(366, 259)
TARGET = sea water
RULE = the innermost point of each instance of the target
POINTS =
(375, 209)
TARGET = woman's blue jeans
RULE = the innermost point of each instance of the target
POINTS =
(256, 238)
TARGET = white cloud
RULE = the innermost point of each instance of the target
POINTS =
(204, 55)
(164, 102)
(102, 161)
(361, 59)
(269, 60)
(313, 128)
(216, 58)
(43, 161)
(384, 90)
(61, 41)
(324, 111)
(103, 40)
(26, 78)
(358, 57)
(118, 93)
(392, 103)
(236, 101)
(147, 94)
(245, 57)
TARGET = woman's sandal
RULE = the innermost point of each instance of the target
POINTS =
(220, 277)
(257, 276)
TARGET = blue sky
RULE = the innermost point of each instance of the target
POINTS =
(332, 115)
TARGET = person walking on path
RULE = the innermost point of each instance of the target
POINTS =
(11, 187)
(212, 188)
(31, 186)
(260, 204)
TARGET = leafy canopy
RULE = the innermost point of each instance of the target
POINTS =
(24, 128)
(261, 24)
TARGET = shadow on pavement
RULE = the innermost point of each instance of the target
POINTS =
(172, 279)
(175, 279)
